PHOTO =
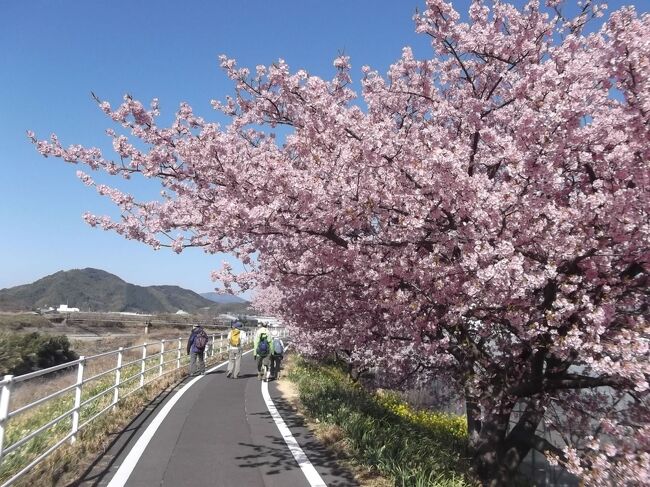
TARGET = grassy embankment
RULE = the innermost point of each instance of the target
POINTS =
(379, 432)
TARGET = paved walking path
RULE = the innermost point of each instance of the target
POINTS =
(219, 432)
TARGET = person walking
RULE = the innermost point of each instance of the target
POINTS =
(236, 338)
(262, 349)
(277, 354)
(196, 344)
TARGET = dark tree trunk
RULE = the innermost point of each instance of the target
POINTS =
(497, 449)
(473, 413)
(488, 451)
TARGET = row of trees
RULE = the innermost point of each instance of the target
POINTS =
(480, 216)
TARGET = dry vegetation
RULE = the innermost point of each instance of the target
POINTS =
(23, 322)
(27, 392)
(89, 326)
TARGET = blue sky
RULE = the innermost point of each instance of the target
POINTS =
(53, 54)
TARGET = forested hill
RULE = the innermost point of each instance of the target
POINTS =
(97, 290)
(223, 298)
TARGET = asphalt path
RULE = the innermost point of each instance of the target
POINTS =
(218, 432)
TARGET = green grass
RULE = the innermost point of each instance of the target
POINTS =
(412, 448)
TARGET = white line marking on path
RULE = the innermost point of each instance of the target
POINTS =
(307, 468)
(124, 472)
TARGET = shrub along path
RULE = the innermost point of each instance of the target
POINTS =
(219, 433)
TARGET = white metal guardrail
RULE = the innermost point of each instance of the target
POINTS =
(32, 431)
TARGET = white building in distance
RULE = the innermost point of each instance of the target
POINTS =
(270, 321)
(63, 308)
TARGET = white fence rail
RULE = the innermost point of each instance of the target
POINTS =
(79, 392)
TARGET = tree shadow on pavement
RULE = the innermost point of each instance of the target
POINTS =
(246, 376)
(215, 372)
(274, 457)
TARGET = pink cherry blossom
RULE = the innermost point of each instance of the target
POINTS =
(479, 217)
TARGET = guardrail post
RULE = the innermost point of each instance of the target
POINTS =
(77, 399)
(221, 343)
(144, 359)
(5, 394)
(178, 354)
(162, 356)
(212, 347)
(118, 376)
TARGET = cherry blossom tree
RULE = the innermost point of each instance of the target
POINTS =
(480, 216)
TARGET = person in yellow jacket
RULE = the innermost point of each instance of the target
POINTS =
(235, 341)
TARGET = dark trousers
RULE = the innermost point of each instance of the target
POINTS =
(197, 364)
(276, 361)
(266, 360)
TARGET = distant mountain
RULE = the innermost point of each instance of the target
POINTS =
(223, 298)
(97, 290)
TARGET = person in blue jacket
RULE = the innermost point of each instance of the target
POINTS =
(195, 348)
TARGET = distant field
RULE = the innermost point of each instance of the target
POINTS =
(89, 338)
(23, 322)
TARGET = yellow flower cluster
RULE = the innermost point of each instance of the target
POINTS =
(435, 421)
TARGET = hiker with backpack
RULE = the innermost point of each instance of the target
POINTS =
(277, 354)
(196, 344)
(236, 338)
(262, 349)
